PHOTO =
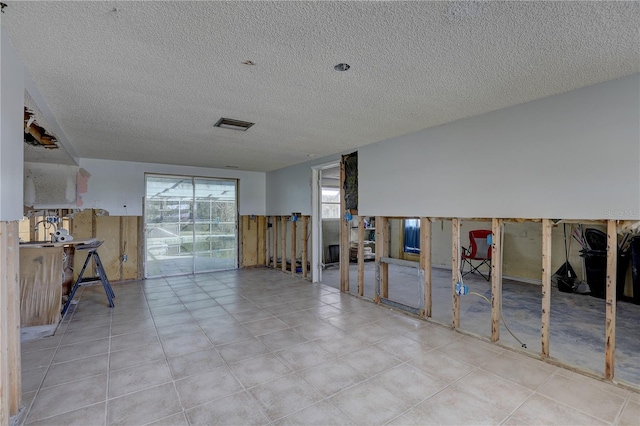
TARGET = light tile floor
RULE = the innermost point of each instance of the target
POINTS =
(260, 347)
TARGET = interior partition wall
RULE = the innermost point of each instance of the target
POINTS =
(190, 225)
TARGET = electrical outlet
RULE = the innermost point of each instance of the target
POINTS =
(461, 289)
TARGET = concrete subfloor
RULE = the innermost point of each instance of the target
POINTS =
(257, 346)
(577, 321)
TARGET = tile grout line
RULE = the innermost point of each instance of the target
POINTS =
(33, 401)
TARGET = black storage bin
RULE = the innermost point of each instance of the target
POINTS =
(595, 263)
(635, 268)
(334, 253)
(623, 263)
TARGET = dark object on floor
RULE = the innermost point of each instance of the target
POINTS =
(595, 260)
(334, 253)
(635, 268)
(566, 284)
(566, 270)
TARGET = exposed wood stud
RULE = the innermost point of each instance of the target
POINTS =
(360, 255)
(344, 234)
(274, 234)
(382, 250)
(496, 278)
(5, 366)
(294, 254)
(612, 266)
(546, 285)
(32, 229)
(425, 263)
(455, 268)
(283, 242)
(305, 244)
(9, 280)
(261, 240)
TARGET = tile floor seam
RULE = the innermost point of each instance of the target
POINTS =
(622, 408)
(106, 404)
(67, 412)
(244, 388)
(28, 413)
(573, 408)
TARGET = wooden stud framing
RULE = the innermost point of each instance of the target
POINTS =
(10, 374)
(425, 263)
(283, 242)
(274, 240)
(262, 237)
(546, 285)
(496, 278)
(344, 234)
(612, 267)
(455, 268)
(305, 244)
(5, 319)
(360, 255)
(294, 254)
(382, 250)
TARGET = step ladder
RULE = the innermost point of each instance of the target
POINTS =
(102, 275)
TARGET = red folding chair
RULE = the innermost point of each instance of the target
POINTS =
(479, 251)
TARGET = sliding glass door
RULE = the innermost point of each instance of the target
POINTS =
(215, 225)
(190, 225)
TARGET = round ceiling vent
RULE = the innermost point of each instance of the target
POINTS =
(342, 67)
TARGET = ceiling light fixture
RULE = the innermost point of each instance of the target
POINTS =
(342, 67)
(230, 123)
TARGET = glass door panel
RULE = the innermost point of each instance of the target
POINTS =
(169, 226)
(215, 225)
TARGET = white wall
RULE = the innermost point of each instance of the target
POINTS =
(574, 155)
(289, 189)
(11, 131)
(115, 184)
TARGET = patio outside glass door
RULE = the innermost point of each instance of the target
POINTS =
(190, 225)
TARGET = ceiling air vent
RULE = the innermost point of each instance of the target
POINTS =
(230, 123)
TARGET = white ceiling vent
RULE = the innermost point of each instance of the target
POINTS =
(230, 123)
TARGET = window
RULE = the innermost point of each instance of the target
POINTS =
(330, 203)
(412, 236)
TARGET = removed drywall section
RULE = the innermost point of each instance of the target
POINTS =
(118, 186)
(253, 238)
(120, 237)
(574, 155)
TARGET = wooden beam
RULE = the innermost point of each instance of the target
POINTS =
(294, 253)
(5, 316)
(305, 244)
(425, 264)
(260, 249)
(344, 234)
(382, 250)
(612, 267)
(283, 242)
(546, 285)
(274, 240)
(455, 268)
(360, 255)
(496, 278)
(10, 371)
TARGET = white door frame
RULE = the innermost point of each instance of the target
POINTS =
(316, 218)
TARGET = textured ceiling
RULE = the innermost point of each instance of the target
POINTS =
(146, 81)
